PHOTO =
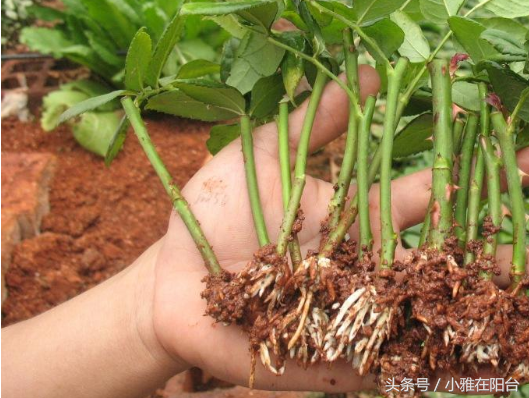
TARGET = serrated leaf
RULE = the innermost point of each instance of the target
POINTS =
(509, 8)
(509, 86)
(104, 49)
(89, 105)
(468, 34)
(177, 103)
(387, 34)
(116, 143)
(229, 51)
(221, 135)
(415, 46)
(95, 130)
(138, 59)
(320, 17)
(414, 137)
(164, 46)
(292, 66)
(230, 24)
(263, 15)
(515, 29)
(255, 58)
(466, 95)
(197, 68)
(215, 94)
(371, 10)
(266, 95)
(505, 43)
(44, 40)
(438, 11)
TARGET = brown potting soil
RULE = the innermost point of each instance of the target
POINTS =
(101, 219)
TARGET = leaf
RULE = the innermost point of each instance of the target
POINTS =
(468, 34)
(44, 40)
(515, 29)
(197, 68)
(104, 49)
(509, 8)
(438, 11)
(221, 135)
(414, 137)
(292, 67)
(228, 56)
(95, 130)
(255, 58)
(216, 94)
(164, 46)
(266, 95)
(137, 62)
(371, 10)
(55, 103)
(415, 46)
(155, 20)
(89, 105)
(505, 43)
(387, 35)
(177, 103)
(230, 24)
(47, 14)
(466, 95)
(264, 14)
(509, 86)
(116, 143)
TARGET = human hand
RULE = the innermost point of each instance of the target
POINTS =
(218, 197)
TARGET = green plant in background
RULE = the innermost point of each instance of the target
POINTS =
(96, 34)
(256, 80)
(15, 15)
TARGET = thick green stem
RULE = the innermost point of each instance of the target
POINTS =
(458, 128)
(388, 235)
(366, 237)
(286, 183)
(505, 135)
(301, 162)
(179, 203)
(492, 166)
(442, 186)
(350, 153)
(251, 181)
(465, 168)
(476, 182)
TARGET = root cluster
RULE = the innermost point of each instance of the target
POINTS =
(435, 315)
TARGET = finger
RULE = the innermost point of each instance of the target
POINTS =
(331, 117)
(411, 194)
(504, 257)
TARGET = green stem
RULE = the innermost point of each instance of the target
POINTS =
(179, 203)
(505, 135)
(251, 181)
(301, 162)
(465, 168)
(458, 128)
(366, 237)
(425, 230)
(442, 186)
(492, 165)
(286, 183)
(350, 153)
(388, 235)
(476, 182)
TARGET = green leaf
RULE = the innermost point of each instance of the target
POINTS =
(104, 49)
(177, 103)
(505, 43)
(514, 28)
(468, 34)
(438, 11)
(292, 67)
(266, 95)
(221, 135)
(371, 10)
(216, 94)
(138, 58)
(509, 8)
(45, 13)
(522, 138)
(264, 14)
(466, 95)
(155, 20)
(230, 24)
(387, 35)
(44, 40)
(509, 86)
(95, 130)
(116, 143)
(55, 103)
(197, 68)
(228, 56)
(89, 105)
(415, 46)
(414, 137)
(255, 58)
(164, 46)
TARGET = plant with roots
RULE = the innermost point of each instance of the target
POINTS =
(342, 300)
